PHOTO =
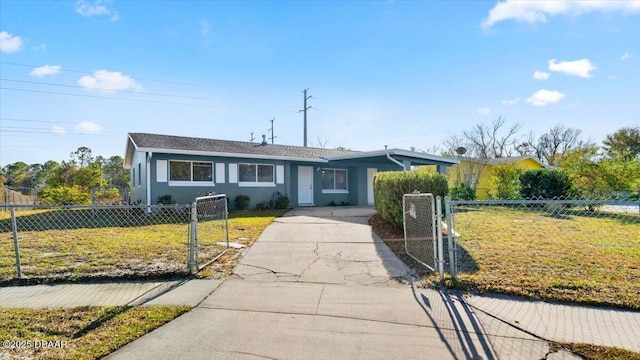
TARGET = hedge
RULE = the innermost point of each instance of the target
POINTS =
(390, 186)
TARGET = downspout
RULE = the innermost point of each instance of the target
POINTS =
(396, 161)
(149, 156)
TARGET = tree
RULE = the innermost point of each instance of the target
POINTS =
(624, 144)
(505, 182)
(545, 184)
(491, 141)
(82, 156)
(593, 176)
(552, 146)
(16, 174)
(114, 172)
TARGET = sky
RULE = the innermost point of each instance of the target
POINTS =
(405, 74)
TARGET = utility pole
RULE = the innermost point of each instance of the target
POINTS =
(252, 138)
(304, 110)
(272, 137)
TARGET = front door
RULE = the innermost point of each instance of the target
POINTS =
(371, 172)
(305, 185)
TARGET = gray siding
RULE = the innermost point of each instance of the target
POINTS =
(139, 178)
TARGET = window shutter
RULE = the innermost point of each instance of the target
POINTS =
(161, 171)
(220, 176)
(279, 174)
(233, 173)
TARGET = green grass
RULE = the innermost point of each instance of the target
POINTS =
(580, 257)
(83, 332)
(74, 244)
(593, 352)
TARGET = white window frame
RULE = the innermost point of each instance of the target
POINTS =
(257, 183)
(334, 190)
(192, 182)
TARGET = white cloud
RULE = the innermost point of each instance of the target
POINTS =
(109, 81)
(58, 130)
(536, 11)
(97, 8)
(484, 111)
(45, 70)
(626, 56)
(87, 127)
(581, 68)
(544, 97)
(511, 101)
(10, 43)
(541, 75)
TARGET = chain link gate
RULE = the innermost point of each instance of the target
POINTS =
(209, 235)
(420, 223)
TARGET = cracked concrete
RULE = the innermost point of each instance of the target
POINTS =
(318, 284)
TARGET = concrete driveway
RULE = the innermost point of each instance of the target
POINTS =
(319, 285)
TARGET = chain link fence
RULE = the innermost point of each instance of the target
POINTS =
(420, 228)
(17, 196)
(579, 250)
(45, 243)
(210, 230)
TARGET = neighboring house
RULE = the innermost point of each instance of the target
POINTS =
(478, 171)
(186, 167)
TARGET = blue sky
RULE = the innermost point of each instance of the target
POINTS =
(396, 73)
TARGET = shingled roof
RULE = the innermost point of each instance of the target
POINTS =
(170, 143)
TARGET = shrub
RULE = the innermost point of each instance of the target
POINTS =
(166, 199)
(65, 195)
(242, 202)
(282, 202)
(265, 205)
(545, 184)
(389, 187)
(463, 192)
(505, 182)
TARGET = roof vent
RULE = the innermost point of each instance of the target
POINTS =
(264, 140)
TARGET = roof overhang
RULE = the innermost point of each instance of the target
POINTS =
(397, 152)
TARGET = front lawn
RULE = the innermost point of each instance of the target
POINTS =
(79, 244)
(78, 333)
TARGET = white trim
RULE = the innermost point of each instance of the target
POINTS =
(256, 184)
(148, 179)
(234, 155)
(192, 183)
(413, 154)
(327, 191)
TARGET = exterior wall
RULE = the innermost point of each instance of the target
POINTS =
(186, 194)
(138, 174)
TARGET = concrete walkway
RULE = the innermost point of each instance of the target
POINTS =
(318, 284)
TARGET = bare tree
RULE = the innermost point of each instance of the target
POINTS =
(491, 141)
(551, 146)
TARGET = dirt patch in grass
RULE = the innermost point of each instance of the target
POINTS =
(78, 333)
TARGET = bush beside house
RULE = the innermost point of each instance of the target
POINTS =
(389, 187)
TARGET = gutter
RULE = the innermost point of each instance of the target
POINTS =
(396, 161)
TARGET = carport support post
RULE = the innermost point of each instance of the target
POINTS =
(14, 228)
(193, 234)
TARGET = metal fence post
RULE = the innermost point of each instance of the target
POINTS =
(439, 237)
(193, 236)
(452, 258)
(14, 228)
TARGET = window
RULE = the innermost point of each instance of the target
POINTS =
(256, 175)
(190, 172)
(334, 181)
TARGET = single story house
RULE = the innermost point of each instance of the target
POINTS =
(472, 171)
(188, 167)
